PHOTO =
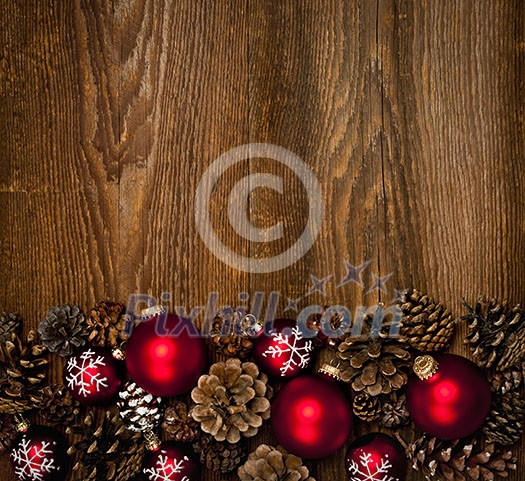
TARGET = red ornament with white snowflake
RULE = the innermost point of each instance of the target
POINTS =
(171, 462)
(375, 457)
(284, 352)
(40, 454)
(92, 376)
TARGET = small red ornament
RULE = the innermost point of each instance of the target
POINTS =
(40, 454)
(284, 352)
(449, 398)
(311, 417)
(92, 376)
(165, 359)
(171, 462)
(375, 457)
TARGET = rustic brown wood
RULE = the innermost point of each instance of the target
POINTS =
(410, 114)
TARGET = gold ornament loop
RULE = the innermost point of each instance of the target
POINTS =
(21, 423)
(425, 367)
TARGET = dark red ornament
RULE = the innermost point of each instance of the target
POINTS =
(171, 462)
(92, 376)
(40, 454)
(311, 417)
(284, 352)
(453, 402)
(375, 456)
(165, 359)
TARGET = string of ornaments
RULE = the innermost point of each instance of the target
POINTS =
(157, 383)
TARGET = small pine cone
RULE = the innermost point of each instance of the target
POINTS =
(220, 457)
(267, 463)
(427, 326)
(57, 406)
(365, 407)
(106, 323)
(63, 329)
(226, 333)
(23, 369)
(321, 339)
(8, 432)
(496, 334)
(232, 400)
(9, 325)
(178, 425)
(140, 411)
(509, 380)
(395, 413)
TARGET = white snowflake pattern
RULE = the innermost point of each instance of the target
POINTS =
(85, 375)
(166, 468)
(366, 470)
(33, 461)
(299, 355)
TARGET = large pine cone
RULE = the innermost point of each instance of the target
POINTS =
(63, 329)
(9, 325)
(225, 335)
(106, 323)
(8, 432)
(140, 411)
(178, 424)
(496, 334)
(23, 369)
(232, 400)
(267, 463)
(57, 406)
(220, 457)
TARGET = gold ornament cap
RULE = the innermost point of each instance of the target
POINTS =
(152, 311)
(331, 369)
(21, 423)
(425, 367)
(152, 440)
(118, 353)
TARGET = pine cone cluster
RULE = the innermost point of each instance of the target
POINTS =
(140, 411)
(57, 406)
(9, 325)
(23, 369)
(395, 413)
(232, 400)
(496, 334)
(106, 323)
(8, 432)
(220, 457)
(179, 425)
(267, 463)
(428, 326)
(366, 407)
(226, 333)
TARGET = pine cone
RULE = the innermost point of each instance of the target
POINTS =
(63, 329)
(427, 326)
(220, 457)
(366, 407)
(8, 432)
(9, 325)
(466, 460)
(315, 323)
(56, 405)
(107, 451)
(509, 380)
(375, 362)
(140, 411)
(267, 463)
(496, 334)
(179, 425)
(225, 333)
(23, 369)
(232, 400)
(106, 323)
(395, 412)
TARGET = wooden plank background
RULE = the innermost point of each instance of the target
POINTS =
(410, 113)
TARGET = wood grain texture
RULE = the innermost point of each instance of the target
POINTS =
(410, 114)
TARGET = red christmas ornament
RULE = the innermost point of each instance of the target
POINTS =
(40, 454)
(375, 457)
(284, 352)
(449, 398)
(164, 358)
(311, 417)
(92, 376)
(171, 462)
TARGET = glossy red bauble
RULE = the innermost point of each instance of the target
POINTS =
(452, 403)
(171, 462)
(311, 417)
(284, 352)
(40, 454)
(92, 376)
(375, 456)
(163, 358)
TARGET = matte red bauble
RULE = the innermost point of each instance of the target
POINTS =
(91, 376)
(171, 462)
(375, 457)
(451, 397)
(311, 417)
(284, 352)
(40, 454)
(163, 358)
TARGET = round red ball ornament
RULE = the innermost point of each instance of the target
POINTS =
(311, 417)
(40, 454)
(171, 462)
(165, 356)
(375, 456)
(449, 398)
(284, 352)
(92, 376)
